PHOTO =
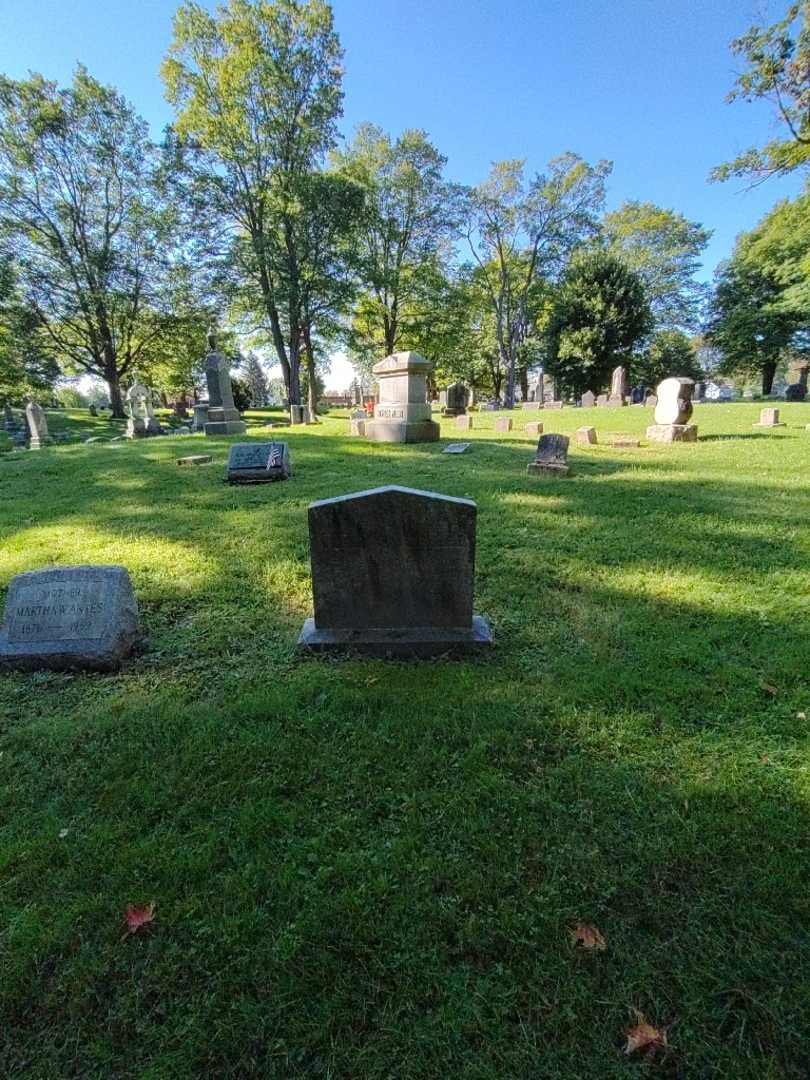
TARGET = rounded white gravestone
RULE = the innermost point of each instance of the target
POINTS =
(674, 401)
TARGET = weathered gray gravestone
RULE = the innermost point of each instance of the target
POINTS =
(402, 413)
(797, 391)
(586, 436)
(465, 422)
(69, 618)
(223, 416)
(456, 448)
(258, 463)
(457, 399)
(602, 399)
(534, 427)
(588, 399)
(503, 423)
(37, 425)
(618, 387)
(392, 574)
(200, 418)
(551, 457)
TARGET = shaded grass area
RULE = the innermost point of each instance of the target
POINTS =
(369, 869)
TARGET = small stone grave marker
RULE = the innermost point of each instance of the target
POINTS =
(551, 457)
(624, 442)
(410, 589)
(588, 399)
(503, 423)
(585, 436)
(68, 618)
(534, 427)
(456, 448)
(195, 459)
(258, 463)
(465, 422)
(602, 399)
(769, 418)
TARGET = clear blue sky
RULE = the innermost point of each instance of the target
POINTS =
(641, 82)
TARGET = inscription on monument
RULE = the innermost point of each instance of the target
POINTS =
(58, 613)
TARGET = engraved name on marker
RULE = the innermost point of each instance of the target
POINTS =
(58, 613)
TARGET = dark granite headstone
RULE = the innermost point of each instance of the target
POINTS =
(69, 617)
(258, 463)
(797, 391)
(392, 574)
(551, 457)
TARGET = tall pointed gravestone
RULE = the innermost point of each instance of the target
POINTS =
(37, 425)
(392, 574)
(619, 387)
(402, 412)
(223, 416)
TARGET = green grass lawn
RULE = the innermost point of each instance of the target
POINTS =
(367, 869)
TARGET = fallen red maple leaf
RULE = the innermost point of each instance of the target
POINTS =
(138, 917)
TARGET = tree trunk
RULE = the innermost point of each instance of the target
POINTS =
(509, 363)
(768, 372)
(523, 377)
(116, 400)
(312, 379)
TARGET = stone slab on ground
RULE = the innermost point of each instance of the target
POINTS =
(667, 433)
(456, 447)
(195, 459)
(410, 591)
(534, 427)
(585, 436)
(68, 618)
(622, 443)
(258, 463)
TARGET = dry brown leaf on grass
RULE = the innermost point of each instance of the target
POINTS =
(586, 936)
(138, 917)
(645, 1039)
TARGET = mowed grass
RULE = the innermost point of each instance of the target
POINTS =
(367, 869)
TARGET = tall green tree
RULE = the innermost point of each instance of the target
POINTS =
(82, 215)
(670, 352)
(257, 88)
(747, 325)
(777, 70)
(26, 367)
(519, 233)
(664, 249)
(599, 316)
(407, 219)
(761, 309)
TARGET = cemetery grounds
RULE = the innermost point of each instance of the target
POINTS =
(368, 869)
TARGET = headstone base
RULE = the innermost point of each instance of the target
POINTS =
(672, 433)
(417, 642)
(616, 402)
(536, 467)
(37, 444)
(532, 405)
(779, 423)
(392, 431)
